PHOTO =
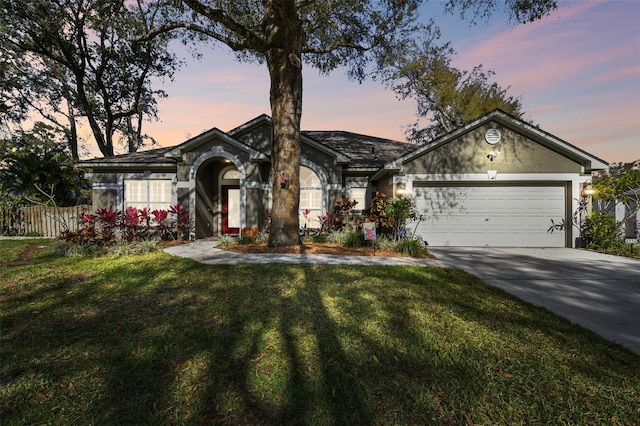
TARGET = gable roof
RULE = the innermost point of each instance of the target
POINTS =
(588, 161)
(264, 119)
(177, 151)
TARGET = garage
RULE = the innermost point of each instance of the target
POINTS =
(499, 215)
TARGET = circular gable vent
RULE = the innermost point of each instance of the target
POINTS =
(492, 136)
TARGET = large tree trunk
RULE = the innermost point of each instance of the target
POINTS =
(285, 40)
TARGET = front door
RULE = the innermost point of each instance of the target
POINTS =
(230, 209)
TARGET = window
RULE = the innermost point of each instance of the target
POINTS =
(359, 195)
(151, 194)
(310, 198)
(231, 174)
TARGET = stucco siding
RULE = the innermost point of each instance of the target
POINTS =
(470, 153)
(105, 199)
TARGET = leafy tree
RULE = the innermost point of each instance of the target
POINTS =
(37, 167)
(324, 34)
(72, 59)
(619, 185)
(446, 98)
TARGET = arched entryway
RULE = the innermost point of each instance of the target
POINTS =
(219, 198)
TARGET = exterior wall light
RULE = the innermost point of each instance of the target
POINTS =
(492, 155)
(401, 189)
(588, 189)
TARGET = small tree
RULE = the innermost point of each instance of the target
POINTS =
(401, 210)
(620, 185)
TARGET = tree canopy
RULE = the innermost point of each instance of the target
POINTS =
(446, 98)
(71, 60)
(37, 168)
(358, 35)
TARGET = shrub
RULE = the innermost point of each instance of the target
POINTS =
(245, 239)
(108, 227)
(319, 238)
(603, 233)
(411, 247)
(226, 241)
(249, 233)
(354, 238)
(341, 214)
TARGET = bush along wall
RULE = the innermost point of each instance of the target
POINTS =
(108, 226)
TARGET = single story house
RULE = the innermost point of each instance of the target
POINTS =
(498, 181)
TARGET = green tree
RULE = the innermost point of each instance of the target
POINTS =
(78, 59)
(324, 34)
(619, 185)
(446, 98)
(36, 167)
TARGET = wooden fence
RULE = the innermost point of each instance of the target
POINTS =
(40, 220)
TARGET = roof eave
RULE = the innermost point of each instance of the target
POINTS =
(107, 165)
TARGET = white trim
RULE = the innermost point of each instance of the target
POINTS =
(323, 182)
(574, 179)
(145, 175)
(452, 178)
(105, 185)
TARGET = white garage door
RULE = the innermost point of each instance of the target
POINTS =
(501, 216)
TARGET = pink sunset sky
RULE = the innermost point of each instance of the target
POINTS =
(577, 72)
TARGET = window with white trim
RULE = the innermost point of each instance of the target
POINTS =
(153, 194)
(310, 198)
(360, 195)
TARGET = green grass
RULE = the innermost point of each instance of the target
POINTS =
(153, 339)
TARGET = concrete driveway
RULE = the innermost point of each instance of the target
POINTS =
(598, 291)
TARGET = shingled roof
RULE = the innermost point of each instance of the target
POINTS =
(363, 151)
(148, 157)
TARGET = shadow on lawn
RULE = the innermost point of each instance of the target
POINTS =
(188, 343)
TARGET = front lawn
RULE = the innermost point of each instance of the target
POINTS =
(153, 339)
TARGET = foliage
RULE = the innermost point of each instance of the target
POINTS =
(411, 247)
(248, 235)
(181, 224)
(156, 339)
(10, 213)
(620, 185)
(340, 218)
(225, 241)
(319, 238)
(400, 210)
(73, 61)
(36, 167)
(354, 238)
(108, 227)
(446, 98)
(378, 213)
(602, 233)
(391, 215)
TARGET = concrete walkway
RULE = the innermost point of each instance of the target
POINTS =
(205, 251)
(598, 291)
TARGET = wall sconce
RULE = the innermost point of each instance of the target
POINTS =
(587, 189)
(492, 155)
(401, 189)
